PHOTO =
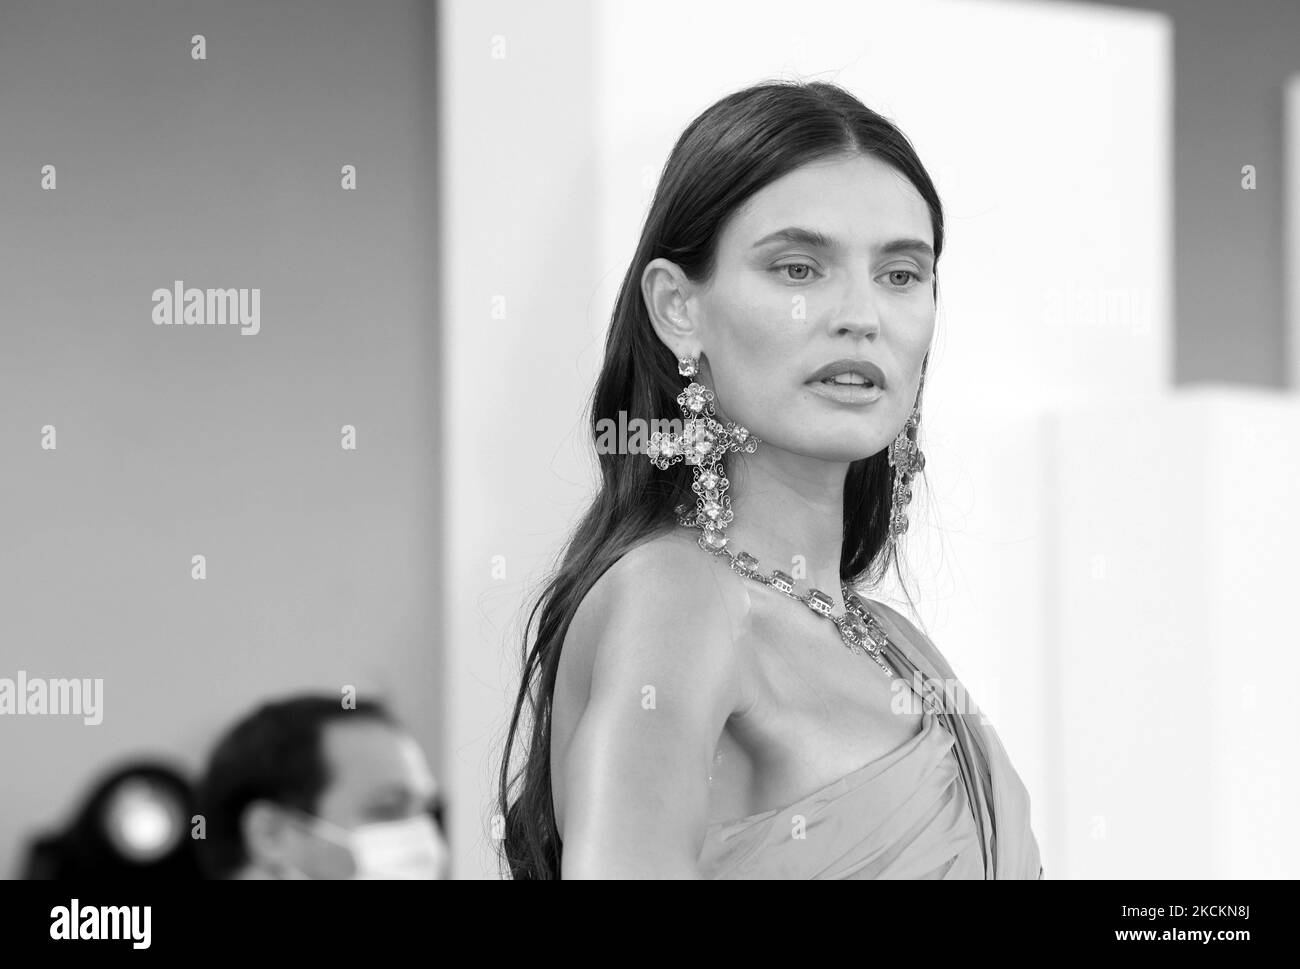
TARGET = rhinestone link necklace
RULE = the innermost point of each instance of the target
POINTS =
(859, 629)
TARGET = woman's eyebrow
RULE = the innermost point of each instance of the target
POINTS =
(917, 246)
(799, 235)
(811, 237)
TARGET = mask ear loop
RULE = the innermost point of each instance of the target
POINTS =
(314, 824)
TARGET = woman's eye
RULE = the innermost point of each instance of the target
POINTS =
(802, 277)
(906, 274)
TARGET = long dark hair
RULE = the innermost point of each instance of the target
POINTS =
(736, 147)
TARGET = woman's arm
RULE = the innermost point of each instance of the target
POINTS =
(664, 680)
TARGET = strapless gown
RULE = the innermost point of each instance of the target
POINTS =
(946, 804)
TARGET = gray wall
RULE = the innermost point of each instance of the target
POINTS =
(176, 441)
(1231, 62)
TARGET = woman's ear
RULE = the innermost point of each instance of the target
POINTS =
(666, 292)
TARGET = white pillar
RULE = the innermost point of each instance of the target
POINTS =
(1174, 636)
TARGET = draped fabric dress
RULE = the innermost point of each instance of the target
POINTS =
(946, 804)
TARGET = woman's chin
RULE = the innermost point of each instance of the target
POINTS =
(842, 451)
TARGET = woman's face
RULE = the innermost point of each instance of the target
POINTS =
(780, 307)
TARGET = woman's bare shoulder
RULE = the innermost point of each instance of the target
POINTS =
(666, 570)
(667, 600)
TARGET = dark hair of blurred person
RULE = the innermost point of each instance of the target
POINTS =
(307, 788)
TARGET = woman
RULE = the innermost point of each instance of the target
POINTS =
(708, 696)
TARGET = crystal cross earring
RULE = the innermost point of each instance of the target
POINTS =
(702, 443)
(906, 458)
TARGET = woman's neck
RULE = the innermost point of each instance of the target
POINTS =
(789, 514)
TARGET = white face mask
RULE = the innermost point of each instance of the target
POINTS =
(409, 848)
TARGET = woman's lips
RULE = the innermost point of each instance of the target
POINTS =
(846, 393)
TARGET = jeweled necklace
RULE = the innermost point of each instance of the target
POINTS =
(859, 630)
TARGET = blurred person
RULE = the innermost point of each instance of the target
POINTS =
(305, 788)
(687, 706)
